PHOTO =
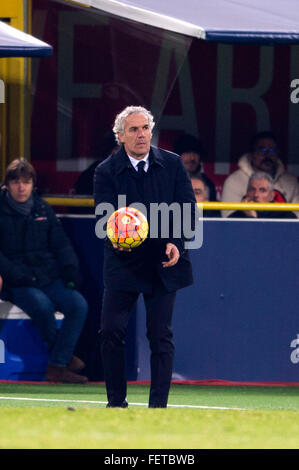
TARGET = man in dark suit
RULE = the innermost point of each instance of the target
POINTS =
(157, 268)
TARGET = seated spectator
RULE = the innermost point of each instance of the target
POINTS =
(40, 270)
(261, 189)
(263, 156)
(192, 153)
(202, 193)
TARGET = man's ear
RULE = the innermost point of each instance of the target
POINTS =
(272, 196)
(120, 137)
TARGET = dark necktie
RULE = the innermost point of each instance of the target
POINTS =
(140, 167)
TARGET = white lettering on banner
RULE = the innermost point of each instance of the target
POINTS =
(67, 89)
(295, 353)
(2, 352)
(187, 121)
(293, 137)
(2, 92)
(226, 95)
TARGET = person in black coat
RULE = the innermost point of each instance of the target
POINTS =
(157, 268)
(40, 270)
(202, 193)
(193, 153)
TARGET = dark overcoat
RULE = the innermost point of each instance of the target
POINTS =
(166, 181)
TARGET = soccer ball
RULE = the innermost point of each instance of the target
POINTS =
(127, 227)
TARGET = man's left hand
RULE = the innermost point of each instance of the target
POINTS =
(173, 255)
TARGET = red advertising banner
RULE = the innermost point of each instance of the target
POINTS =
(221, 93)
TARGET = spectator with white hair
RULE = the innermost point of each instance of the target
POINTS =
(263, 155)
(261, 189)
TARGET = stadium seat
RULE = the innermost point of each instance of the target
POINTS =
(23, 353)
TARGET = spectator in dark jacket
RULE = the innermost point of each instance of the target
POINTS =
(40, 270)
(192, 153)
(202, 193)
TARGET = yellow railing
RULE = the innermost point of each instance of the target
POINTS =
(69, 201)
(251, 206)
(75, 201)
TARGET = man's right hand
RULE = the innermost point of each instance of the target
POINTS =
(120, 248)
(249, 213)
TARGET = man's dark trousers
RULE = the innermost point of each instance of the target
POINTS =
(115, 316)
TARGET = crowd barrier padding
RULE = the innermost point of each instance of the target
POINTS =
(239, 321)
(23, 353)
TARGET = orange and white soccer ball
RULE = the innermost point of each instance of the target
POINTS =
(127, 227)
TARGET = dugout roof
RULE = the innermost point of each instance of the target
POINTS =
(267, 21)
(16, 43)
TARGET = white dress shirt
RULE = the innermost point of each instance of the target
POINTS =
(135, 162)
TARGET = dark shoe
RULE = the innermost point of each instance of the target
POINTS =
(75, 364)
(124, 404)
(63, 375)
(157, 406)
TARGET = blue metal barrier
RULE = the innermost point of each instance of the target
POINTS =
(240, 319)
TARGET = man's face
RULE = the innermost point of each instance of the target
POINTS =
(137, 136)
(191, 161)
(20, 189)
(199, 189)
(265, 155)
(259, 191)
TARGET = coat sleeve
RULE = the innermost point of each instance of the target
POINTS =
(105, 199)
(104, 187)
(184, 194)
(14, 274)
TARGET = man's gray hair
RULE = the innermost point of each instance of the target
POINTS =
(261, 175)
(119, 123)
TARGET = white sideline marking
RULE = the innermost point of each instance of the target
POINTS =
(104, 403)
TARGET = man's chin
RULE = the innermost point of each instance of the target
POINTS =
(268, 167)
(141, 152)
(22, 199)
(191, 169)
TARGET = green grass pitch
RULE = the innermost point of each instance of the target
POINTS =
(42, 416)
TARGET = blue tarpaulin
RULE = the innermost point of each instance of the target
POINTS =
(16, 43)
(267, 21)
